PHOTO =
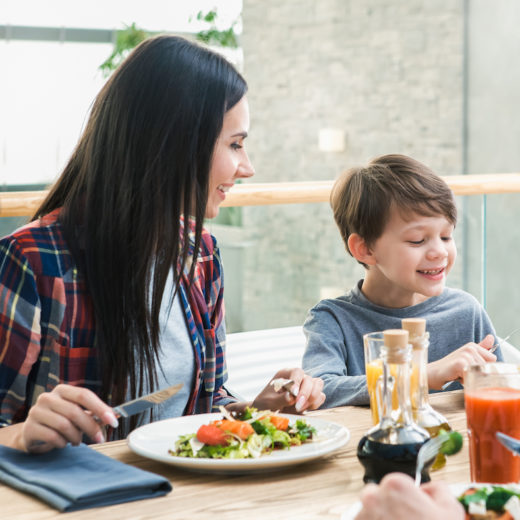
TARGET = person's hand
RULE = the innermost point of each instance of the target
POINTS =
(397, 497)
(306, 393)
(451, 367)
(62, 416)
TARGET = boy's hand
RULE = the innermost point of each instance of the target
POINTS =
(451, 367)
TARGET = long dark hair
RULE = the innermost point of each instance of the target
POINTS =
(141, 165)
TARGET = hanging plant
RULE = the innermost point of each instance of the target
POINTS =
(131, 36)
(126, 40)
(215, 36)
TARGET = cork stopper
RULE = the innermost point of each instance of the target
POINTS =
(396, 341)
(416, 327)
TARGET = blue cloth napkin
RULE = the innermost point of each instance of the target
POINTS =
(78, 477)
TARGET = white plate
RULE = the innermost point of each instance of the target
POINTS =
(351, 512)
(155, 439)
(456, 489)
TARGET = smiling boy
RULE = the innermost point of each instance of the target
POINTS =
(396, 218)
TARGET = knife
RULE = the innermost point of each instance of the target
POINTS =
(146, 401)
(131, 407)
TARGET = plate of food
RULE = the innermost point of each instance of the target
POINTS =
(480, 501)
(489, 501)
(230, 443)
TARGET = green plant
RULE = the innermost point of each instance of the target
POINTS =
(214, 36)
(126, 40)
(131, 36)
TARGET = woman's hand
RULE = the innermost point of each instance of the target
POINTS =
(397, 497)
(306, 393)
(59, 417)
(451, 367)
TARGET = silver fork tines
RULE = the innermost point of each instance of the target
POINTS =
(427, 452)
(286, 384)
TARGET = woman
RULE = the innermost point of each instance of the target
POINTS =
(114, 289)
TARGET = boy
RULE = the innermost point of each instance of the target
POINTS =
(396, 218)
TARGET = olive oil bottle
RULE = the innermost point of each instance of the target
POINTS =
(423, 413)
(393, 444)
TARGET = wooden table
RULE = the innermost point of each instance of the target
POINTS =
(318, 489)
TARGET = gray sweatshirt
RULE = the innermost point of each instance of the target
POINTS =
(334, 330)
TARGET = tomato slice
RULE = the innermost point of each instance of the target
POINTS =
(240, 428)
(210, 434)
(280, 423)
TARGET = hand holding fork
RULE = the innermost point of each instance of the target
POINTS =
(491, 350)
(448, 443)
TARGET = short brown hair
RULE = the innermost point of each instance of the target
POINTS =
(362, 197)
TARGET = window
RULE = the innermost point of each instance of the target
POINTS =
(50, 72)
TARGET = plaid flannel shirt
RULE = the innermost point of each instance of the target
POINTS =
(47, 329)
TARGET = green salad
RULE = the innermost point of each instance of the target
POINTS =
(250, 434)
(492, 501)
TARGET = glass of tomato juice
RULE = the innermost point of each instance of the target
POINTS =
(492, 399)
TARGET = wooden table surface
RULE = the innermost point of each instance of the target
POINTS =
(317, 489)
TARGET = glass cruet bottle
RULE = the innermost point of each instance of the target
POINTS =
(423, 413)
(393, 444)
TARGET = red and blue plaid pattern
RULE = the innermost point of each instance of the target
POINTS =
(47, 329)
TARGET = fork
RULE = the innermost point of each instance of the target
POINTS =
(427, 452)
(286, 384)
(495, 346)
(509, 442)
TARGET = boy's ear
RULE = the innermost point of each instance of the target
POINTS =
(360, 250)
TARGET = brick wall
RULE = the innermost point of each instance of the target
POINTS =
(386, 72)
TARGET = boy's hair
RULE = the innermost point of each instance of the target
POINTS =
(362, 197)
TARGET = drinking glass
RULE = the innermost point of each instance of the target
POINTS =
(374, 369)
(492, 398)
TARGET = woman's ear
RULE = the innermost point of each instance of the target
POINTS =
(360, 250)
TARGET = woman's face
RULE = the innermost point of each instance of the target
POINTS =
(230, 160)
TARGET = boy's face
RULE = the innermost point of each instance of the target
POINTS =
(410, 260)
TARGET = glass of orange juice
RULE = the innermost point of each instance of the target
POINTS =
(374, 369)
(492, 398)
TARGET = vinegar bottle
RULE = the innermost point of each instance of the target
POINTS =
(393, 444)
(423, 413)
